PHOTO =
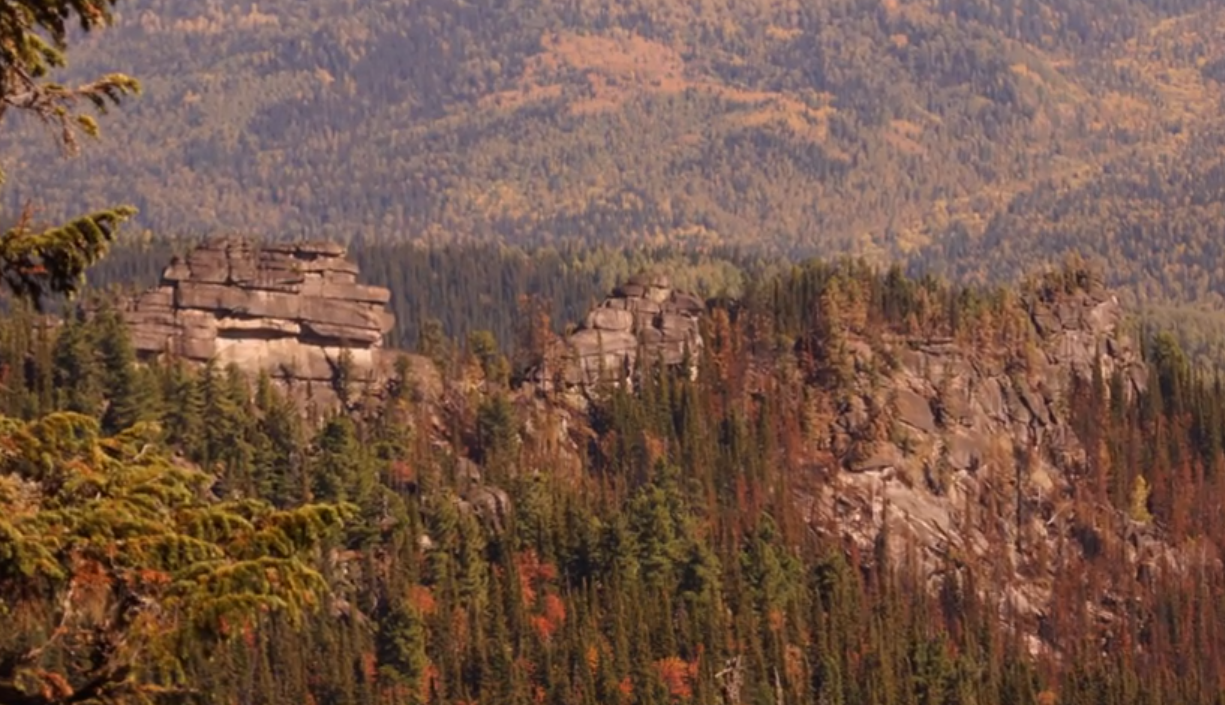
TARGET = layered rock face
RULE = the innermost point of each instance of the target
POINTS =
(644, 317)
(294, 310)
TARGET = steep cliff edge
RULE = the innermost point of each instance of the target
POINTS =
(967, 456)
(963, 454)
(295, 311)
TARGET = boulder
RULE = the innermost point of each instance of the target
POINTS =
(645, 306)
(334, 334)
(278, 327)
(592, 341)
(1046, 322)
(989, 397)
(658, 294)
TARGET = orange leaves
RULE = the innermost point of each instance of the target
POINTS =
(401, 473)
(91, 590)
(151, 577)
(532, 573)
(776, 619)
(552, 617)
(554, 609)
(678, 676)
(543, 627)
(422, 601)
(52, 686)
(793, 663)
(430, 678)
(535, 576)
(370, 666)
(1046, 697)
(89, 574)
(626, 687)
(532, 569)
(656, 447)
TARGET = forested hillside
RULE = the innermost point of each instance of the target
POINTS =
(487, 540)
(973, 136)
(816, 482)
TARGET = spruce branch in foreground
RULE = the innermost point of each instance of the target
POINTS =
(112, 557)
(35, 263)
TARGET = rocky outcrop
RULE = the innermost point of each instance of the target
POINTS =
(955, 448)
(293, 310)
(645, 319)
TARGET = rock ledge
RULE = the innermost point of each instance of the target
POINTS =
(291, 309)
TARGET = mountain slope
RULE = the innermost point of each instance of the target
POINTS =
(899, 128)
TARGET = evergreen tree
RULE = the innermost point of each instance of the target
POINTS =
(497, 434)
(78, 373)
(278, 439)
(36, 262)
(189, 570)
(183, 418)
(336, 467)
(129, 392)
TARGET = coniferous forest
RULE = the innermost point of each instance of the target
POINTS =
(188, 535)
(469, 531)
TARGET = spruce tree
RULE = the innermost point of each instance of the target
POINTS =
(336, 463)
(183, 417)
(129, 392)
(278, 440)
(78, 374)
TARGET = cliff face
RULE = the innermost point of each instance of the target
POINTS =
(292, 310)
(644, 317)
(964, 453)
(967, 456)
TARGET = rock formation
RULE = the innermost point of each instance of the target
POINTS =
(293, 310)
(644, 317)
(956, 447)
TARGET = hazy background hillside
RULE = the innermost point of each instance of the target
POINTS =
(973, 137)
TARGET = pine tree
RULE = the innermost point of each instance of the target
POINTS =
(183, 418)
(402, 655)
(278, 439)
(496, 431)
(129, 392)
(78, 374)
(336, 463)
